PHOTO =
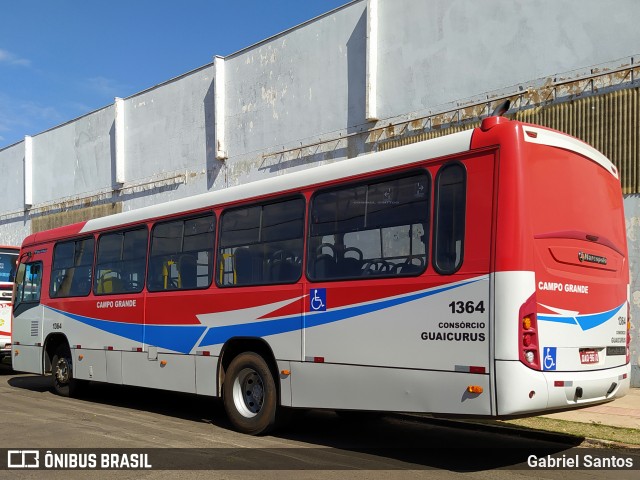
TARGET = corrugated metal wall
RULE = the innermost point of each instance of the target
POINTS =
(609, 122)
(56, 219)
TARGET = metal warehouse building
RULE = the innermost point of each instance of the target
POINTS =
(371, 75)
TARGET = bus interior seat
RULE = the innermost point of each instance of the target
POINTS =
(188, 268)
(284, 270)
(247, 265)
(350, 267)
(81, 283)
(109, 282)
(324, 266)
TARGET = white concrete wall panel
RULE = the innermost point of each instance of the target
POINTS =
(12, 168)
(13, 224)
(166, 127)
(295, 87)
(74, 158)
(438, 51)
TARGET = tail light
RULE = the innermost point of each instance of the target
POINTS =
(528, 334)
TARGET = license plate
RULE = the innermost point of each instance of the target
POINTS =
(589, 356)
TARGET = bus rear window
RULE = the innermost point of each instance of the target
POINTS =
(568, 202)
(450, 198)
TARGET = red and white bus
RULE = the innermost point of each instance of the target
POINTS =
(482, 273)
(8, 263)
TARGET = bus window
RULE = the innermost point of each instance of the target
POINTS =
(262, 244)
(377, 229)
(182, 254)
(450, 210)
(120, 263)
(71, 271)
(28, 283)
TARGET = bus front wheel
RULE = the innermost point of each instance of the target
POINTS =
(249, 395)
(62, 371)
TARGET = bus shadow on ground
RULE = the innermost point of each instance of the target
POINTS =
(339, 441)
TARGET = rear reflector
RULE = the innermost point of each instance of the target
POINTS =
(563, 383)
(470, 369)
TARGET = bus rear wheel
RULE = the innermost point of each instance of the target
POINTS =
(62, 371)
(250, 395)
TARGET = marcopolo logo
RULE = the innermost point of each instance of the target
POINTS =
(587, 257)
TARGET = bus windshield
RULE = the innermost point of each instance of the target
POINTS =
(8, 266)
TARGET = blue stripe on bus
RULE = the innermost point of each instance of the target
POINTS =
(218, 335)
(586, 322)
(172, 337)
(183, 338)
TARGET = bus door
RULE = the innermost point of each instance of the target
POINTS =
(27, 336)
(399, 268)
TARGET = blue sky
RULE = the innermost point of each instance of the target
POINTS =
(60, 59)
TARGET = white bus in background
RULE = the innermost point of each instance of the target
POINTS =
(8, 261)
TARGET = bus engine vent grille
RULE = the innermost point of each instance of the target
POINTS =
(34, 328)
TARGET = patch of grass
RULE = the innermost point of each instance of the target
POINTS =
(629, 436)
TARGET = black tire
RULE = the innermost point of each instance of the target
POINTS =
(62, 372)
(250, 396)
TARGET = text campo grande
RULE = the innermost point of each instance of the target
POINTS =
(116, 303)
(563, 287)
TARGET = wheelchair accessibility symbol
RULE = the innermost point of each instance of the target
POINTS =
(318, 299)
(549, 360)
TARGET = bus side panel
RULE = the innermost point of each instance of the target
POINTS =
(415, 329)
(105, 322)
(90, 364)
(434, 322)
(355, 387)
(27, 330)
(27, 358)
(208, 319)
(166, 372)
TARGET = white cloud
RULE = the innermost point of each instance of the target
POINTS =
(24, 117)
(9, 58)
(104, 86)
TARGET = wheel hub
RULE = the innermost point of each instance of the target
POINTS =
(248, 392)
(62, 371)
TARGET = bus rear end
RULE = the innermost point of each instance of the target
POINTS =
(568, 311)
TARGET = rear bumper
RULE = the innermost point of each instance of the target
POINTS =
(521, 390)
